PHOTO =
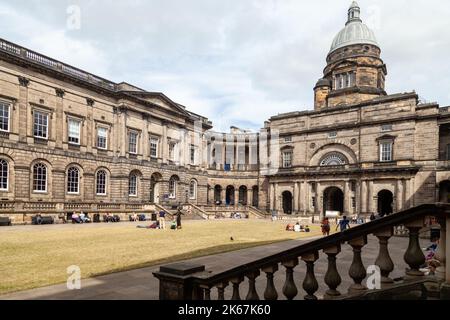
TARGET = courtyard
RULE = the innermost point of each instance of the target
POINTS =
(38, 256)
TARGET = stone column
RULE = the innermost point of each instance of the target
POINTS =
(250, 197)
(277, 204)
(271, 198)
(363, 198)
(164, 145)
(408, 194)
(370, 197)
(399, 195)
(308, 196)
(236, 196)
(296, 195)
(347, 197)
(319, 201)
(301, 197)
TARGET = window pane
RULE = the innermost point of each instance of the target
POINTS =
(3, 174)
(39, 178)
(133, 142)
(73, 180)
(102, 137)
(4, 117)
(101, 182)
(74, 131)
(40, 124)
(132, 190)
(154, 147)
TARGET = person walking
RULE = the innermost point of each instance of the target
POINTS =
(343, 224)
(326, 226)
(162, 220)
(178, 215)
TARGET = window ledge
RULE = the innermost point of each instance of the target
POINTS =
(42, 141)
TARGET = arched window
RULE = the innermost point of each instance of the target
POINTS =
(333, 159)
(193, 190)
(40, 177)
(132, 186)
(73, 180)
(101, 183)
(173, 182)
(4, 174)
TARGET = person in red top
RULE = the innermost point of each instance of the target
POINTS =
(325, 227)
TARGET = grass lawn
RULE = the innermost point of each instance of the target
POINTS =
(36, 256)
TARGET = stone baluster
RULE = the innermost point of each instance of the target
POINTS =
(384, 260)
(310, 284)
(221, 290)
(414, 256)
(207, 293)
(271, 292)
(357, 270)
(236, 283)
(444, 241)
(290, 289)
(252, 294)
(332, 277)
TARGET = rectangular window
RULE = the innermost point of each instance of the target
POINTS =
(4, 117)
(386, 151)
(313, 202)
(132, 142)
(40, 120)
(287, 159)
(102, 138)
(288, 139)
(386, 127)
(154, 147)
(332, 135)
(172, 151)
(353, 202)
(192, 154)
(74, 131)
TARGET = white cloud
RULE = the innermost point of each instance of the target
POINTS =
(237, 61)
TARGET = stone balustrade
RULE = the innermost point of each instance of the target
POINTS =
(184, 281)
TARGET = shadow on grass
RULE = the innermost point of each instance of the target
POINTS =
(225, 248)
(190, 255)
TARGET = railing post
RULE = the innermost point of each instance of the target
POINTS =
(175, 281)
(414, 256)
(290, 289)
(310, 284)
(332, 277)
(357, 270)
(384, 260)
(236, 283)
(271, 292)
(252, 294)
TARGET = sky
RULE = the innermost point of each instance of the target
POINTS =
(237, 62)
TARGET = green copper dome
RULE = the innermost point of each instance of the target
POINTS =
(355, 31)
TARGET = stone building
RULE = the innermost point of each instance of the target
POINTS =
(72, 141)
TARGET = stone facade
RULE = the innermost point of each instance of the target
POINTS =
(359, 151)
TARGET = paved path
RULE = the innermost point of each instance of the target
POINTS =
(140, 284)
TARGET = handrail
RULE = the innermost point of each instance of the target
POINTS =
(340, 237)
(200, 282)
(202, 213)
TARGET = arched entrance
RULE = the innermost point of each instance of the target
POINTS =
(287, 202)
(255, 200)
(385, 202)
(444, 191)
(154, 187)
(333, 200)
(243, 195)
(217, 194)
(229, 198)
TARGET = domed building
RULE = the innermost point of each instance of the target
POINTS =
(71, 141)
(355, 71)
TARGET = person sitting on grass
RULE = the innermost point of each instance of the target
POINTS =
(76, 218)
